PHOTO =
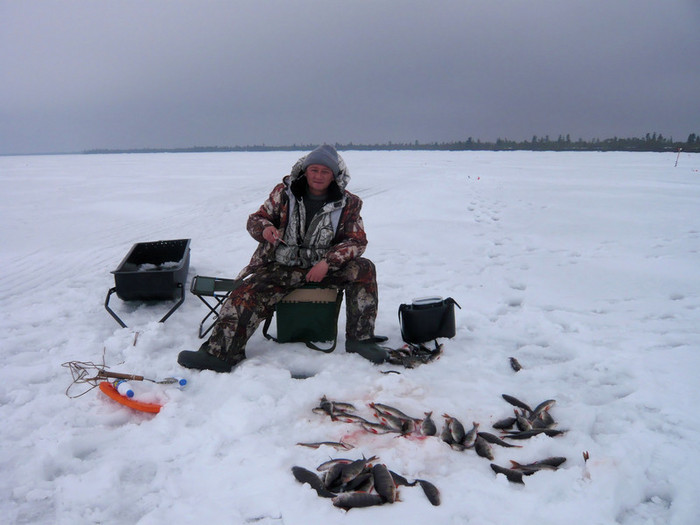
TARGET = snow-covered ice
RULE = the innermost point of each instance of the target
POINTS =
(583, 266)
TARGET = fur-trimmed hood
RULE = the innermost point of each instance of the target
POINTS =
(296, 180)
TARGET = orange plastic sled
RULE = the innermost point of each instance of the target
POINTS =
(110, 391)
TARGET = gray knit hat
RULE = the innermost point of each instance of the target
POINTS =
(325, 155)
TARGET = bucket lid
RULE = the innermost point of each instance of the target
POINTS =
(422, 301)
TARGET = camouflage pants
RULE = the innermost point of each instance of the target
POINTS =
(252, 302)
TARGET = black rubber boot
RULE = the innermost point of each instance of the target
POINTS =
(368, 349)
(203, 360)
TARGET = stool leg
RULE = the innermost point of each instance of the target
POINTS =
(204, 320)
(213, 310)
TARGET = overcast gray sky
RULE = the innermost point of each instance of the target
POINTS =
(77, 75)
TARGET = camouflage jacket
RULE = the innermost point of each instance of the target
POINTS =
(349, 241)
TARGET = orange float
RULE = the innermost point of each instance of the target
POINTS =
(110, 391)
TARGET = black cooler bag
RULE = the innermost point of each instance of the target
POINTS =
(427, 319)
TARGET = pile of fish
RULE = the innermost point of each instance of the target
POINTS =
(527, 422)
(454, 434)
(388, 419)
(360, 483)
(412, 355)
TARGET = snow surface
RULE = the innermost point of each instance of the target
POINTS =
(584, 266)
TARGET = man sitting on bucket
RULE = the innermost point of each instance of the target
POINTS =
(310, 231)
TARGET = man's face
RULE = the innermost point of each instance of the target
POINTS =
(319, 177)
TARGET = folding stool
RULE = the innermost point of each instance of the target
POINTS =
(212, 291)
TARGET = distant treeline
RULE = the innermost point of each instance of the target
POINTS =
(651, 142)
